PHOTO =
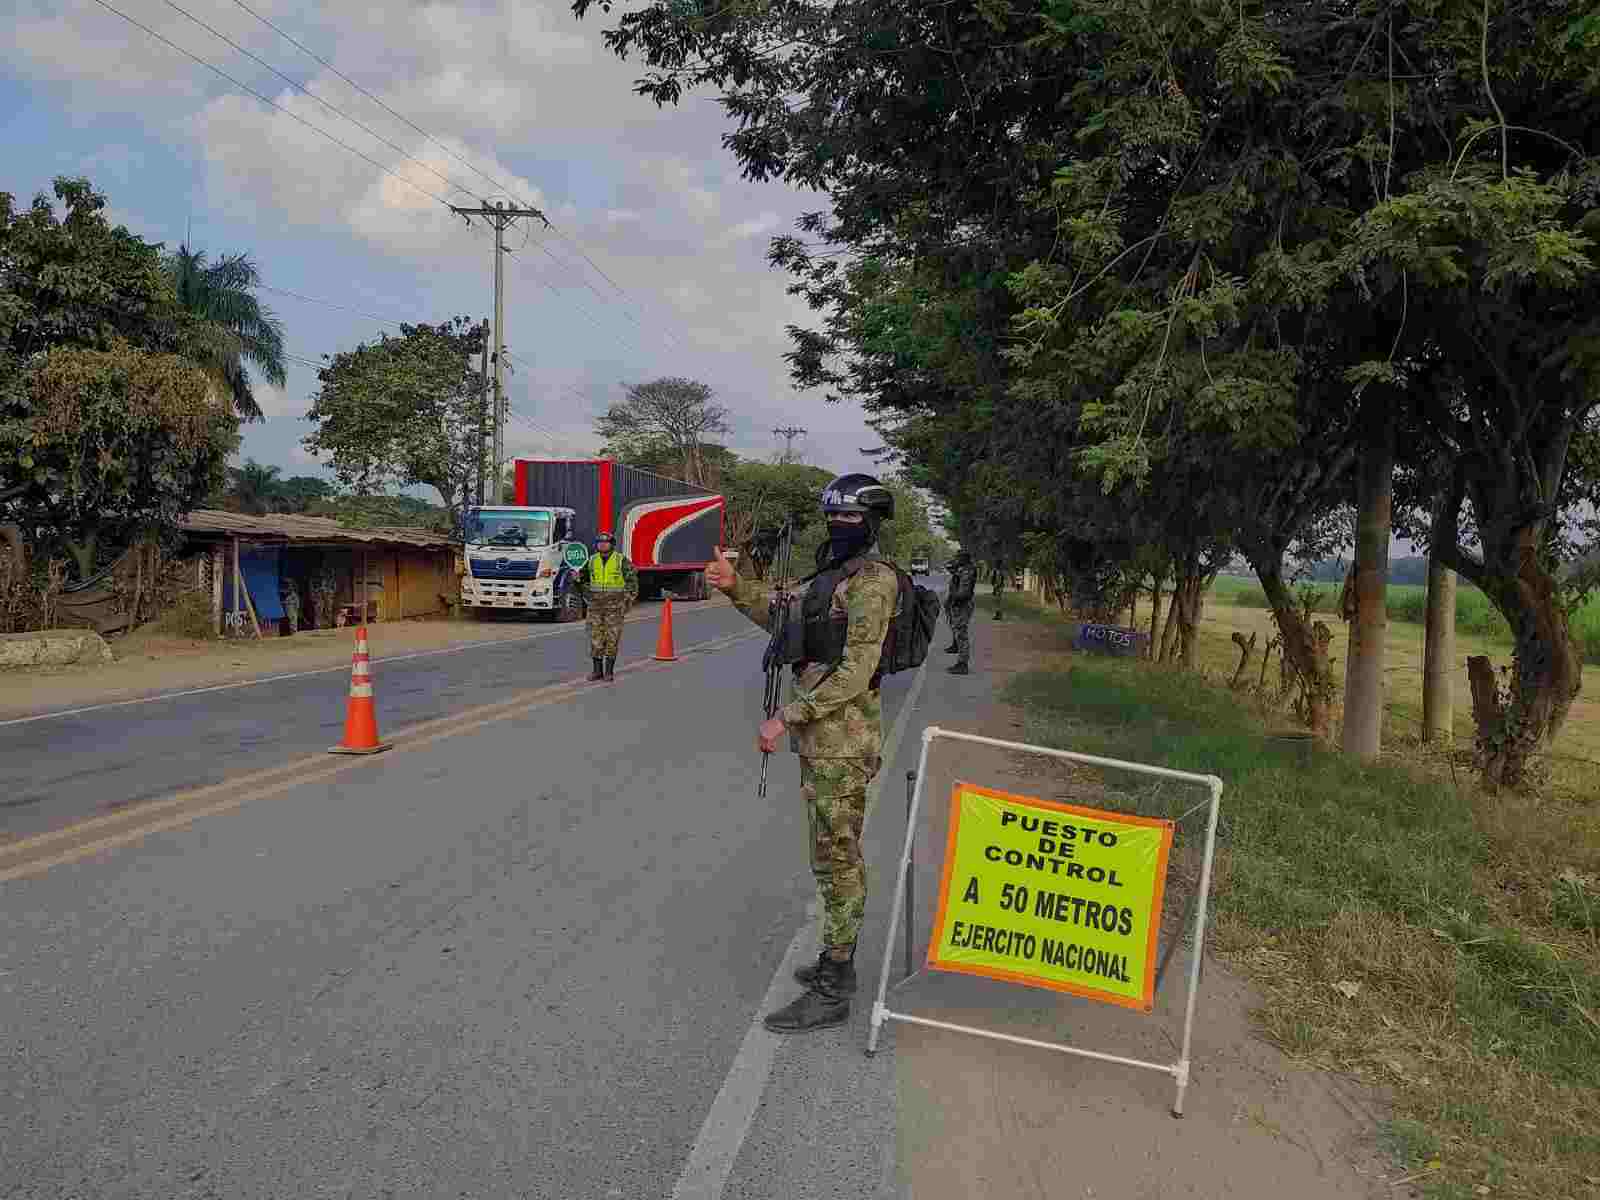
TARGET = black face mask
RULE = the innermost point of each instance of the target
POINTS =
(846, 541)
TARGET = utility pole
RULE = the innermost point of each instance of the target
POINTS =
(501, 217)
(788, 434)
(483, 412)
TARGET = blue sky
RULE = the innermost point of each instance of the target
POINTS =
(522, 92)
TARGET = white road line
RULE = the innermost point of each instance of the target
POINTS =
(705, 1174)
(244, 683)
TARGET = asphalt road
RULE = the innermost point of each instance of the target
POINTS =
(56, 771)
(523, 960)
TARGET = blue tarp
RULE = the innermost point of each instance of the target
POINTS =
(260, 569)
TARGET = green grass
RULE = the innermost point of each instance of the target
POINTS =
(1407, 602)
(1380, 875)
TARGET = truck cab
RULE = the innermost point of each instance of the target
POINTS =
(518, 558)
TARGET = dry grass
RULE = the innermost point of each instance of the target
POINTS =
(1574, 764)
(1404, 928)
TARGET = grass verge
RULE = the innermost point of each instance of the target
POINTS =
(1466, 925)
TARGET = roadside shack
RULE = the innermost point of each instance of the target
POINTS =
(280, 573)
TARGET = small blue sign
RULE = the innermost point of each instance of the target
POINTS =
(1111, 639)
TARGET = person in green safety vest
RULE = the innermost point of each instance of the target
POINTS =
(609, 586)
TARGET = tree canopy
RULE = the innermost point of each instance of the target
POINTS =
(1139, 287)
(668, 417)
(406, 410)
(236, 331)
(108, 428)
(113, 443)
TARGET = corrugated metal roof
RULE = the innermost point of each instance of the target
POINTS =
(295, 528)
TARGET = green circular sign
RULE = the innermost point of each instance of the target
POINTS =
(575, 555)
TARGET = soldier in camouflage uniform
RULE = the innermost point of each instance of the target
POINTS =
(834, 721)
(960, 600)
(609, 586)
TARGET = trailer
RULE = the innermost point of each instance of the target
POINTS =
(526, 555)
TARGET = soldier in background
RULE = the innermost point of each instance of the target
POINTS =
(959, 601)
(291, 604)
(609, 586)
(835, 721)
(997, 581)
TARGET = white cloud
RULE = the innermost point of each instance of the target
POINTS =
(651, 194)
(275, 401)
(766, 223)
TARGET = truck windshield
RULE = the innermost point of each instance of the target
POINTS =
(508, 529)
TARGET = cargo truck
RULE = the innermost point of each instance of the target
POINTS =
(526, 556)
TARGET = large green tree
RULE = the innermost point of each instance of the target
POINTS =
(68, 278)
(110, 444)
(405, 410)
(679, 416)
(105, 432)
(236, 331)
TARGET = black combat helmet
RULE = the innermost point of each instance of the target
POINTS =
(859, 494)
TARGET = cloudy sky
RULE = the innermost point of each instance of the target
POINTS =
(522, 93)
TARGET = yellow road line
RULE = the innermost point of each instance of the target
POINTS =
(32, 856)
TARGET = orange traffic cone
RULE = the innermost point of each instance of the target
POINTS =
(664, 651)
(361, 719)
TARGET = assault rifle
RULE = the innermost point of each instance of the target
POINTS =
(773, 661)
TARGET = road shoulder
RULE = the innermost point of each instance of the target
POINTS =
(980, 1117)
(150, 665)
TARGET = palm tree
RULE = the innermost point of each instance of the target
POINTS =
(236, 328)
(256, 487)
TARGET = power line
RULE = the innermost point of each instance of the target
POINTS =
(300, 87)
(482, 174)
(244, 87)
(329, 304)
(396, 115)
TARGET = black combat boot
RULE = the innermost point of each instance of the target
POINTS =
(845, 973)
(611, 668)
(822, 1005)
(960, 668)
(599, 672)
(952, 648)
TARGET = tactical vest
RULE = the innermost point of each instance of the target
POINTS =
(823, 632)
(605, 574)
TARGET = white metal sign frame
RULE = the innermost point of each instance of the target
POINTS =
(881, 1013)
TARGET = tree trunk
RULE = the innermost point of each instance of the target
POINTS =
(1438, 655)
(1169, 633)
(1247, 651)
(1547, 672)
(83, 554)
(1363, 678)
(1188, 600)
(1304, 648)
(1155, 615)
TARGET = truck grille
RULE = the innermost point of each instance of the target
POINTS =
(491, 568)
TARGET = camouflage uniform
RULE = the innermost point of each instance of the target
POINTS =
(607, 609)
(960, 600)
(835, 724)
(997, 580)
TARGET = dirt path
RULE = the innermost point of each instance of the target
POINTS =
(983, 1118)
(148, 662)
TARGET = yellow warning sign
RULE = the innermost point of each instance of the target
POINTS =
(1051, 895)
